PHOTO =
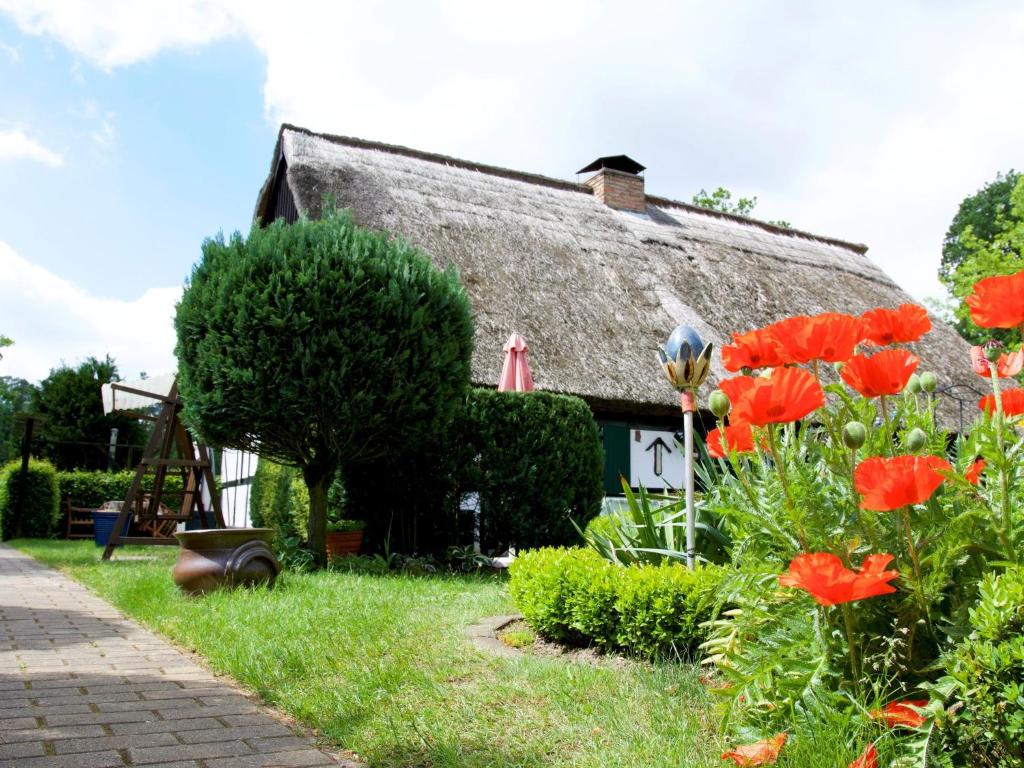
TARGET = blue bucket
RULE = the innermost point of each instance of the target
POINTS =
(103, 525)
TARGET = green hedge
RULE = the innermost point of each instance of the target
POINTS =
(279, 499)
(577, 597)
(540, 464)
(985, 675)
(91, 489)
(35, 494)
(534, 458)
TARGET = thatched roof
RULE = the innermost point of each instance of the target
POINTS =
(594, 290)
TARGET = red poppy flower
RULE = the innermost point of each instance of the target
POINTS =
(829, 582)
(884, 373)
(738, 437)
(998, 302)
(736, 386)
(764, 752)
(753, 349)
(1007, 366)
(896, 326)
(973, 473)
(789, 394)
(1013, 403)
(868, 758)
(890, 483)
(830, 336)
(901, 713)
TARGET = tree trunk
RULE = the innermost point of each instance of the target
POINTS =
(317, 528)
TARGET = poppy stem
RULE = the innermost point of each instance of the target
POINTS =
(859, 513)
(851, 643)
(1004, 483)
(774, 448)
(916, 563)
(888, 424)
(737, 470)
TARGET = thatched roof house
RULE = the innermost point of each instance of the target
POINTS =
(594, 275)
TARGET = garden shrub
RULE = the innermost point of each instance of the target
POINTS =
(89, 489)
(540, 466)
(535, 459)
(279, 499)
(985, 675)
(321, 344)
(29, 502)
(575, 596)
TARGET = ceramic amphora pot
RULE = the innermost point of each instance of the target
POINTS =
(224, 557)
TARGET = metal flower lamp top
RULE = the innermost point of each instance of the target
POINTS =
(685, 359)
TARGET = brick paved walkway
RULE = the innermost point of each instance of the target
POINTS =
(82, 687)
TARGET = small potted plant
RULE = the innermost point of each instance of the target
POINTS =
(344, 537)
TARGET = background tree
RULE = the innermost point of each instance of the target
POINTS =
(721, 200)
(15, 397)
(76, 432)
(985, 238)
(320, 345)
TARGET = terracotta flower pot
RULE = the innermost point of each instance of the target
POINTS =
(344, 543)
(226, 557)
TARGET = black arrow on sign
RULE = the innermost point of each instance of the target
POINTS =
(659, 446)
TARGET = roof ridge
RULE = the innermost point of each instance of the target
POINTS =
(571, 186)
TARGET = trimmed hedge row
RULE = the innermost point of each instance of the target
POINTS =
(577, 597)
(91, 489)
(534, 459)
(35, 494)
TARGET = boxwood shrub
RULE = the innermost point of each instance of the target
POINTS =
(985, 676)
(29, 502)
(574, 596)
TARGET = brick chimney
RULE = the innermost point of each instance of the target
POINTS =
(617, 182)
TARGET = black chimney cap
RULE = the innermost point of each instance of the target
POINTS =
(615, 163)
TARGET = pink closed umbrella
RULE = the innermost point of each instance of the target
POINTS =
(515, 373)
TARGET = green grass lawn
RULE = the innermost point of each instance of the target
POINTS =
(380, 666)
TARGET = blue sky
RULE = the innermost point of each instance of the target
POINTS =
(129, 131)
(156, 157)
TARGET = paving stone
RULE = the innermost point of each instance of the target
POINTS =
(83, 687)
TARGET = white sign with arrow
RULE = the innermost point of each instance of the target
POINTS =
(655, 460)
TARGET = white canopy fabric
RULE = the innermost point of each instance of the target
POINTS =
(160, 386)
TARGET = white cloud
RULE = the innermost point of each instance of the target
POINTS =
(54, 321)
(868, 122)
(112, 33)
(16, 145)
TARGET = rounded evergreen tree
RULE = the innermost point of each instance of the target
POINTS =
(320, 343)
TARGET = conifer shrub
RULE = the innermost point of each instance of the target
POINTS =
(577, 597)
(320, 344)
(29, 501)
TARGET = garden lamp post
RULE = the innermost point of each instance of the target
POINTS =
(686, 361)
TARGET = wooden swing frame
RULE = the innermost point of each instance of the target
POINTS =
(193, 463)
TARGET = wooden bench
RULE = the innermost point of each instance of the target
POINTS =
(79, 521)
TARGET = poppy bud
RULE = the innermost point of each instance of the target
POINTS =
(991, 350)
(719, 403)
(915, 439)
(914, 384)
(746, 371)
(854, 435)
(929, 382)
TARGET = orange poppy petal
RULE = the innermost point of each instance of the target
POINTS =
(830, 336)
(764, 752)
(739, 438)
(973, 473)
(789, 394)
(829, 582)
(1013, 403)
(868, 758)
(907, 323)
(998, 302)
(754, 349)
(1007, 366)
(887, 483)
(884, 373)
(902, 713)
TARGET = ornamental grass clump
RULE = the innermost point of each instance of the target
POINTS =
(860, 530)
